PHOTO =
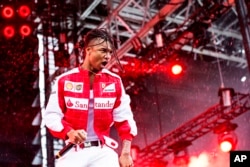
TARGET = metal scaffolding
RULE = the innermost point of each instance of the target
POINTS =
(184, 135)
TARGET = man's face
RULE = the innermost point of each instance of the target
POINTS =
(99, 54)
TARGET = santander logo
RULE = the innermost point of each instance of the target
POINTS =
(83, 104)
(104, 103)
(69, 103)
(76, 103)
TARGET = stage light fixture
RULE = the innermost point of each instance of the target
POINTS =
(137, 44)
(176, 69)
(181, 158)
(15, 20)
(8, 12)
(227, 139)
(159, 40)
(226, 95)
(8, 31)
(24, 11)
(25, 30)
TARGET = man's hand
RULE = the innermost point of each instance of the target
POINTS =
(125, 158)
(77, 136)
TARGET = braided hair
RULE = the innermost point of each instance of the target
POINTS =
(96, 33)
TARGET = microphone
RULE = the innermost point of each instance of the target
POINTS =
(64, 150)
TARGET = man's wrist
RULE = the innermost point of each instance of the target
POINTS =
(126, 147)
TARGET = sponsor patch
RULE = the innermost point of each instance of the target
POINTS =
(76, 103)
(104, 103)
(108, 87)
(73, 86)
(68, 85)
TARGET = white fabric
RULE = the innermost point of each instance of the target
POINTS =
(100, 156)
(121, 113)
(91, 135)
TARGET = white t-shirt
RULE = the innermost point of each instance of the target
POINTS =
(91, 135)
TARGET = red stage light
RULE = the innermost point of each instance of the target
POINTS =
(226, 146)
(25, 30)
(228, 141)
(24, 11)
(7, 12)
(9, 31)
(176, 69)
(227, 138)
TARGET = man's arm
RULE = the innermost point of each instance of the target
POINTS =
(53, 114)
(125, 158)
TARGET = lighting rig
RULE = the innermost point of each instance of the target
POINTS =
(192, 31)
(16, 20)
(182, 137)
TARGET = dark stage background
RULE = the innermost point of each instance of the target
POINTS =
(160, 104)
(214, 53)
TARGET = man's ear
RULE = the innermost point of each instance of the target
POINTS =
(88, 50)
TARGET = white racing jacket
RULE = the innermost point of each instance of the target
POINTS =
(67, 107)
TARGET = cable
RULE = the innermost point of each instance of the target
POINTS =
(218, 62)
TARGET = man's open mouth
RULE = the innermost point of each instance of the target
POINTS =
(104, 63)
